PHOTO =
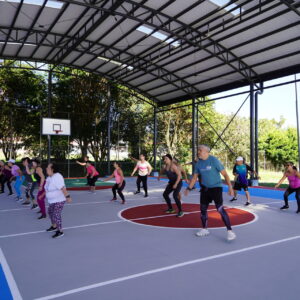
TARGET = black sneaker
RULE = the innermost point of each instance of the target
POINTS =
(298, 211)
(58, 234)
(233, 199)
(136, 192)
(10, 194)
(170, 211)
(51, 229)
(247, 203)
(42, 217)
(284, 207)
(180, 214)
(26, 203)
(34, 206)
(146, 196)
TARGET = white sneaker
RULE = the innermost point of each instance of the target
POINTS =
(231, 235)
(202, 232)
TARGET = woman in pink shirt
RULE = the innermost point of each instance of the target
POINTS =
(92, 175)
(293, 177)
(120, 182)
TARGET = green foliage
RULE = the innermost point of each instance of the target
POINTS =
(281, 146)
(84, 98)
(23, 94)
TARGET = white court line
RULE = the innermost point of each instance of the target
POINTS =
(9, 277)
(81, 203)
(101, 223)
(185, 213)
(83, 226)
(129, 220)
(13, 209)
(166, 268)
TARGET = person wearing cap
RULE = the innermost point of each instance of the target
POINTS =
(240, 172)
(210, 168)
(17, 175)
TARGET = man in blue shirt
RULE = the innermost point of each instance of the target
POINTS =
(210, 168)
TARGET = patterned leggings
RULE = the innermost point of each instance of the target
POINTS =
(29, 190)
(54, 211)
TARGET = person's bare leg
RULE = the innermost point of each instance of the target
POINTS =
(248, 197)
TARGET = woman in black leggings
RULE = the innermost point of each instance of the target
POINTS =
(120, 182)
(174, 185)
(293, 176)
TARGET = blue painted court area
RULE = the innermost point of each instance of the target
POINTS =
(265, 193)
(5, 293)
(257, 192)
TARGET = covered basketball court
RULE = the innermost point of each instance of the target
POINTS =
(163, 52)
(135, 251)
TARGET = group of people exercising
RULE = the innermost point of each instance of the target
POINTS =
(207, 170)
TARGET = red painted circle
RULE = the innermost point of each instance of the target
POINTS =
(154, 215)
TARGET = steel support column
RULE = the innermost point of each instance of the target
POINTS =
(297, 118)
(252, 126)
(154, 137)
(49, 96)
(108, 128)
(197, 127)
(194, 130)
(256, 126)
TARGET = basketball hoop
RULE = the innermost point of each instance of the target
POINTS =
(57, 131)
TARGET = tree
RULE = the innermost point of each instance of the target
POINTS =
(84, 97)
(23, 93)
(282, 146)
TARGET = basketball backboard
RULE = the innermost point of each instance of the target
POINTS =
(56, 126)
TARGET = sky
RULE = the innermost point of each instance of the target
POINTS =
(272, 104)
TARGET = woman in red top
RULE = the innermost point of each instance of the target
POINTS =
(92, 175)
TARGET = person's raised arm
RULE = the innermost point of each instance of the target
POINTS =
(28, 171)
(134, 159)
(281, 181)
(228, 182)
(80, 163)
(134, 170)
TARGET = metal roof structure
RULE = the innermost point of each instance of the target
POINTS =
(166, 50)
